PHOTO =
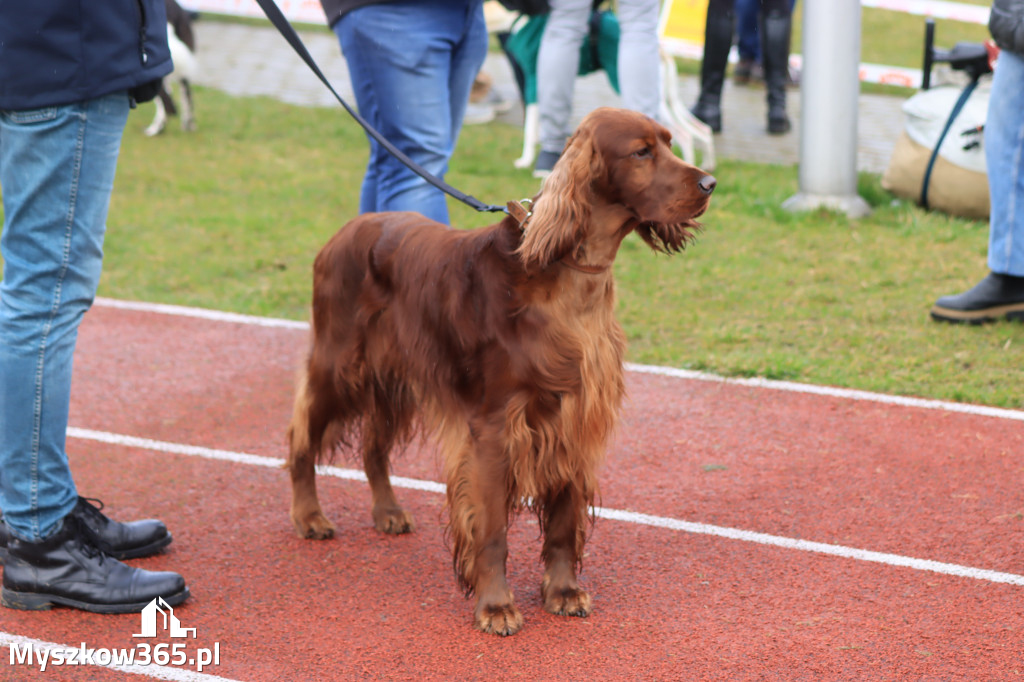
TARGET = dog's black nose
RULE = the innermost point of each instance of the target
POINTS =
(707, 184)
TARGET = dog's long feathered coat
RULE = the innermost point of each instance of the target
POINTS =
(504, 341)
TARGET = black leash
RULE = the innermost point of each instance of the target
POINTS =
(279, 21)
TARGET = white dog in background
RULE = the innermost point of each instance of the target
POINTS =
(182, 43)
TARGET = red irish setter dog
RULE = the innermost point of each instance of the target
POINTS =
(503, 341)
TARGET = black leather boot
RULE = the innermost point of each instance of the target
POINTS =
(997, 296)
(718, 33)
(776, 27)
(120, 540)
(68, 569)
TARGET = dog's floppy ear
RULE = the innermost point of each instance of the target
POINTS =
(561, 212)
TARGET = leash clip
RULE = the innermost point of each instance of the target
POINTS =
(520, 210)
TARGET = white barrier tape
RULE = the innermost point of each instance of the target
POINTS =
(307, 11)
(938, 9)
(868, 73)
(310, 11)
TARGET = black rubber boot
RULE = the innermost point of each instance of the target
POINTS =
(718, 33)
(68, 569)
(776, 27)
(995, 297)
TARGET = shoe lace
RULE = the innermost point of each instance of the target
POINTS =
(92, 506)
(84, 539)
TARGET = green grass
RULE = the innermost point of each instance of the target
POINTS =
(231, 217)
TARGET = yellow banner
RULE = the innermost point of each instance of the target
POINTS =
(684, 20)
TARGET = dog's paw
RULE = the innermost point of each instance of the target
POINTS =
(153, 130)
(313, 526)
(571, 601)
(499, 619)
(393, 521)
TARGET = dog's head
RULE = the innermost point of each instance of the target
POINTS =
(617, 169)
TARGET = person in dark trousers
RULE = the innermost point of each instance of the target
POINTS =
(776, 27)
(1001, 293)
(69, 73)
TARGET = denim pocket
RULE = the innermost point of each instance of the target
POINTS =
(32, 115)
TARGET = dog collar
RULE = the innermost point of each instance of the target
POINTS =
(521, 210)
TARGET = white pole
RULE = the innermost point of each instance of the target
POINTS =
(829, 89)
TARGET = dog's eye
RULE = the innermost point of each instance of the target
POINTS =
(642, 153)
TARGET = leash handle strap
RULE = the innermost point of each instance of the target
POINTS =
(279, 21)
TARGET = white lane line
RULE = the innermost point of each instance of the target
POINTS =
(612, 514)
(200, 313)
(37, 647)
(769, 384)
(833, 392)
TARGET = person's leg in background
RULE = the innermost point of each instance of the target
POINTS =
(558, 62)
(718, 34)
(1004, 157)
(1001, 292)
(639, 64)
(467, 58)
(412, 68)
(776, 29)
(748, 40)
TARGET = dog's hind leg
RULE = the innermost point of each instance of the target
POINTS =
(160, 117)
(188, 117)
(312, 416)
(563, 521)
(387, 420)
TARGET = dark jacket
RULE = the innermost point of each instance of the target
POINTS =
(335, 8)
(1006, 23)
(55, 52)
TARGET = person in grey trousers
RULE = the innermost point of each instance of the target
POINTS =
(558, 63)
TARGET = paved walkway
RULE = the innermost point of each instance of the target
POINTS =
(249, 60)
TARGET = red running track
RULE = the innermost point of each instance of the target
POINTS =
(892, 486)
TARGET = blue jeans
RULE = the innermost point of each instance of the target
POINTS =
(412, 66)
(748, 42)
(56, 171)
(1004, 161)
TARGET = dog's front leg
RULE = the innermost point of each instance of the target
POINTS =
(564, 521)
(495, 610)
(478, 503)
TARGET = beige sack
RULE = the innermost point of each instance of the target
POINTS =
(952, 189)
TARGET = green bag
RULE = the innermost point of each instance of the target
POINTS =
(599, 51)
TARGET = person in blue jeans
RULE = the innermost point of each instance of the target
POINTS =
(69, 72)
(1001, 293)
(412, 65)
